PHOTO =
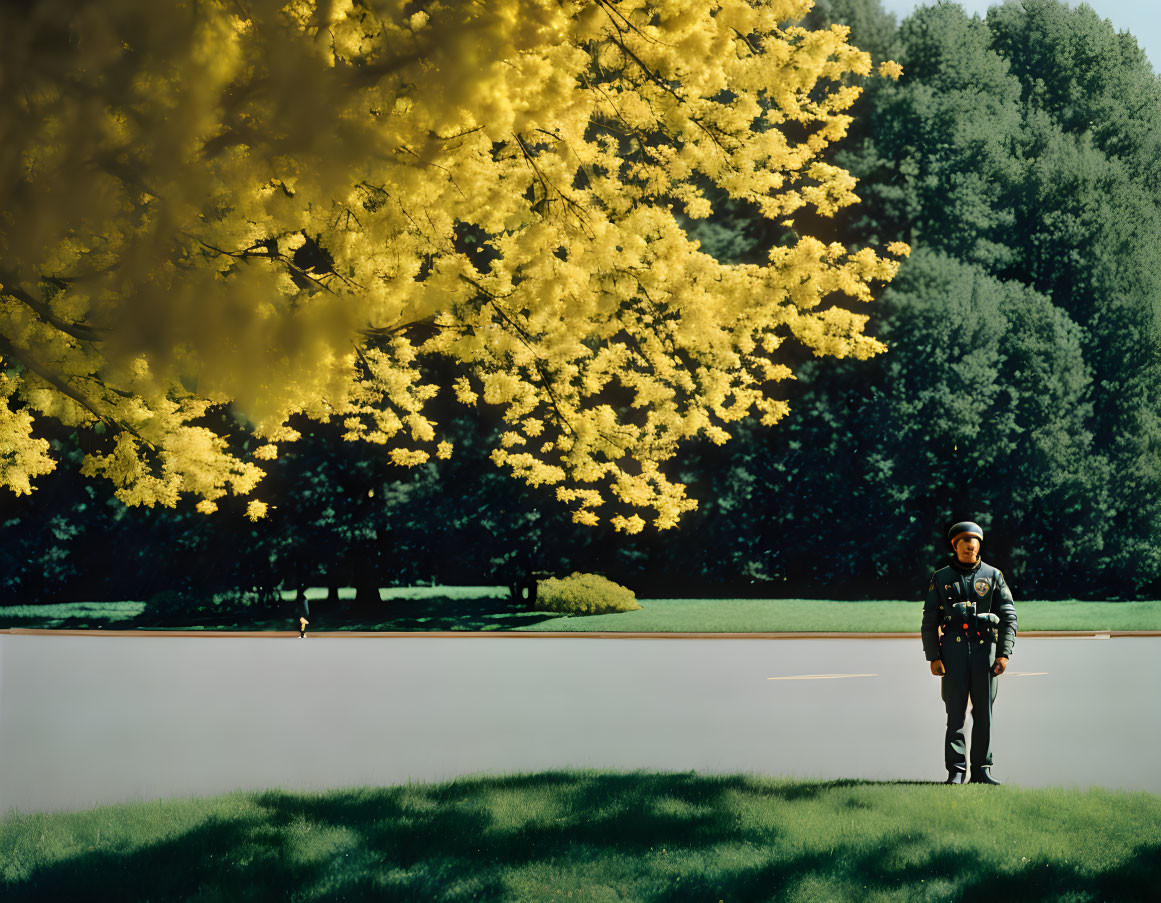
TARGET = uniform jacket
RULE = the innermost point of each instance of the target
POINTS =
(982, 584)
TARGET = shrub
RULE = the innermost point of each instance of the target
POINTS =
(584, 594)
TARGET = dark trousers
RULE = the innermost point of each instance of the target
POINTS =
(968, 664)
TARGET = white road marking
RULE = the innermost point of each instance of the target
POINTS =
(820, 676)
(1025, 673)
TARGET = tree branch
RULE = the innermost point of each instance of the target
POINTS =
(526, 339)
(577, 210)
(61, 386)
(387, 331)
(660, 82)
(450, 177)
(79, 331)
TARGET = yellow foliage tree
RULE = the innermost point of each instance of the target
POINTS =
(279, 209)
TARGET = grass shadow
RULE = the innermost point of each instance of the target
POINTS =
(446, 613)
(663, 838)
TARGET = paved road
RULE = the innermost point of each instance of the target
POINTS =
(89, 720)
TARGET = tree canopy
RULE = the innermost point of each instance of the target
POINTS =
(1018, 154)
(272, 209)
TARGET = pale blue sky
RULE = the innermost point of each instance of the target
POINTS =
(1140, 17)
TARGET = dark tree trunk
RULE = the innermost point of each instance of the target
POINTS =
(523, 590)
(367, 593)
(367, 599)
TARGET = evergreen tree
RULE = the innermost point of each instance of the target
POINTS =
(1017, 155)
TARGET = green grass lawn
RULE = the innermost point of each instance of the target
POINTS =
(488, 608)
(602, 836)
(760, 615)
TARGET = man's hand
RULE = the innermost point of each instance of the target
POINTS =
(998, 668)
(937, 668)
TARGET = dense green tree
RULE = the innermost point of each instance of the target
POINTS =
(1018, 156)
(1088, 77)
(872, 28)
(1027, 144)
(982, 408)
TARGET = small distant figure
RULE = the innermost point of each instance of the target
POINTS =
(303, 611)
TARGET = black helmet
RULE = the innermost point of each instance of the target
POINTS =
(964, 528)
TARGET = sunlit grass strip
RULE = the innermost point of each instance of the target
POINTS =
(61, 610)
(778, 615)
(600, 836)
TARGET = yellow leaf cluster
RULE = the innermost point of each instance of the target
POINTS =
(23, 456)
(291, 208)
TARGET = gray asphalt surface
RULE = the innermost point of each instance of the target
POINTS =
(92, 720)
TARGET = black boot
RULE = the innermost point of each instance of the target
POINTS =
(954, 777)
(982, 776)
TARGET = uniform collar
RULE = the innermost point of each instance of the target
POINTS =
(966, 570)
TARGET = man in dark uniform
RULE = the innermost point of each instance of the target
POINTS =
(969, 629)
